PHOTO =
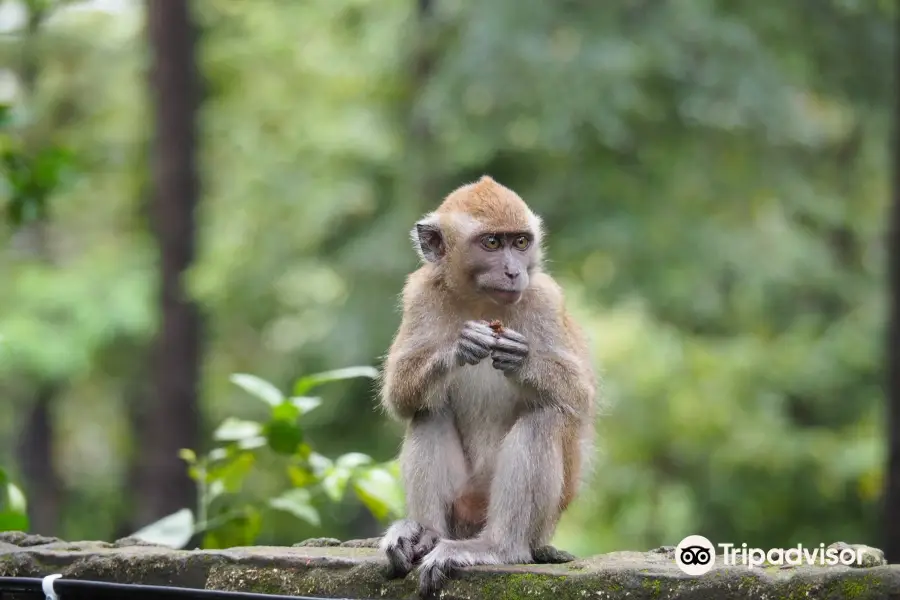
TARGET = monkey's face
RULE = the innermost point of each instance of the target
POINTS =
(500, 264)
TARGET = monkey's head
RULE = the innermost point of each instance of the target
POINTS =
(482, 239)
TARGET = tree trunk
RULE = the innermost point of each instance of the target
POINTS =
(41, 481)
(172, 422)
(892, 475)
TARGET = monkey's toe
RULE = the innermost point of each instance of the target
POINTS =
(399, 545)
(432, 578)
(426, 544)
(400, 559)
(550, 555)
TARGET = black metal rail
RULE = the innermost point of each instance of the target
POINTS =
(31, 588)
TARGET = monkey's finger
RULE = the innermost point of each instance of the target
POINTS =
(512, 334)
(501, 356)
(480, 327)
(475, 348)
(484, 340)
(511, 346)
(467, 356)
(505, 365)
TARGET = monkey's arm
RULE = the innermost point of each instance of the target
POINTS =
(414, 374)
(559, 374)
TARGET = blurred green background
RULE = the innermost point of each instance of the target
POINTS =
(714, 176)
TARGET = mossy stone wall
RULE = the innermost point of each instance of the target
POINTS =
(355, 569)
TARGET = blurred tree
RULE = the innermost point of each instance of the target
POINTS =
(173, 419)
(891, 506)
(33, 167)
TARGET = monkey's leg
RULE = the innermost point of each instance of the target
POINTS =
(523, 507)
(434, 471)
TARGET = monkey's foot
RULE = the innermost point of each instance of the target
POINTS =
(548, 555)
(405, 543)
(450, 555)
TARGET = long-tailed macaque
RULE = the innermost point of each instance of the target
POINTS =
(493, 378)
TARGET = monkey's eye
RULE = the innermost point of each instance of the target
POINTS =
(522, 242)
(491, 242)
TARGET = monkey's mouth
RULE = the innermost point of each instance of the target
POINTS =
(504, 296)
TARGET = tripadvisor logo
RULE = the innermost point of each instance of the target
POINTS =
(695, 555)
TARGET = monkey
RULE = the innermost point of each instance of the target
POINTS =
(493, 379)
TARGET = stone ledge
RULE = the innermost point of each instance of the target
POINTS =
(329, 568)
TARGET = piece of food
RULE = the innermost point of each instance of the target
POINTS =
(497, 326)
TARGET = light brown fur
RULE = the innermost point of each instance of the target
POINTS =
(437, 301)
(496, 207)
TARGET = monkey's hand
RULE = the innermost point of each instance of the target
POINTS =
(510, 351)
(476, 340)
(551, 555)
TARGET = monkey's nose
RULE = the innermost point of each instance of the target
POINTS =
(512, 275)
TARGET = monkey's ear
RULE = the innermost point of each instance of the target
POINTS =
(428, 240)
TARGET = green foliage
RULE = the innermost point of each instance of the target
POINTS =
(227, 516)
(713, 176)
(13, 506)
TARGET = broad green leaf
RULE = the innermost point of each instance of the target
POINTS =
(239, 530)
(13, 521)
(352, 460)
(304, 452)
(233, 429)
(258, 387)
(13, 507)
(306, 403)
(174, 530)
(252, 443)
(380, 492)
(187, 455)
(320, 464)
(300, 477)
(335, 483)
(305, 384)
(217, 454)
(284, 436)
(15, 499)
(286, 411)
(215, 489)
(232, 472)
(196, 472)
(298, 502)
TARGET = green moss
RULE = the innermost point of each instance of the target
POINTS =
(517, 586)
(856, 587)
(654, 585)
(800, 591)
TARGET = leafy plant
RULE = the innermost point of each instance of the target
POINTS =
(29, 178)
(222, 472)
(13, 506)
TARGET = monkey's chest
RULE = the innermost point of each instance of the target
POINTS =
(485, 406)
